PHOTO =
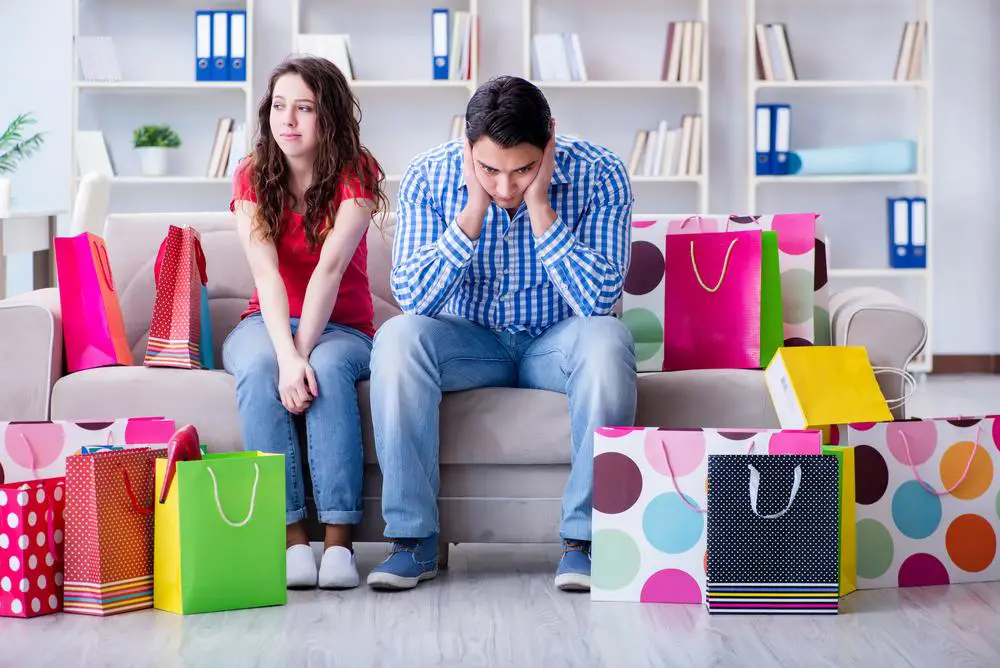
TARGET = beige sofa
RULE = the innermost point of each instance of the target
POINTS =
(504, 452)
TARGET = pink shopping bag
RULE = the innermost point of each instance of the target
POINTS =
(712, 301)
(93, 326)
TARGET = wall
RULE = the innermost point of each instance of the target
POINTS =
(847, 38)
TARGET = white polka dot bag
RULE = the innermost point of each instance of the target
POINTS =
(31, 547)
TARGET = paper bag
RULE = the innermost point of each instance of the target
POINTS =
(175, 330)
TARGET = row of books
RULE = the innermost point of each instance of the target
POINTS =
(557, 57)
(451, 39)
(909, 63)
(774, 54)
(684, 51)
(668, 151)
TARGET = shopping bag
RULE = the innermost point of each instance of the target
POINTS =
(175, 330)
(220, 534)
(34, 450)
(773, 535)
(819, 386)
(109, 531)
(31, 547)
(712, 301)
(92, 322)
(848, 554)
(927, 506)
(206, 343)
(803, 266)
(649, 506)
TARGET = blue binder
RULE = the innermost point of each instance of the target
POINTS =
(202, 46)
(236, 70)
(764, 139)
(439, 42)
(907, 232)
(781, 132)
(220, 46)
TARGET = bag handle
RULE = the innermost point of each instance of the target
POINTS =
(673, 479)
(253, 497)
(907, 378)
(199, 254)
(965, 473)
(102, 259)
(31, 454)
(133, 499)
(725, 267)
(50, 528)
(701, 222)
(755, 487)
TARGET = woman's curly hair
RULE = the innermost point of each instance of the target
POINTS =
(340, 155)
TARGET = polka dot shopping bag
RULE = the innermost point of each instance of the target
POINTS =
(31, 547)
(928, 501)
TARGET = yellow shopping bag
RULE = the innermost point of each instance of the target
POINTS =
(814, 387)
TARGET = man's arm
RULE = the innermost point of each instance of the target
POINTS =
(589, 267)
(431, 255)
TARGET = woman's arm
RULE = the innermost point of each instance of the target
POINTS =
(263, 259)
(350, 225)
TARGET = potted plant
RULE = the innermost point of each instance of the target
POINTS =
(152, 143)
(15, 147)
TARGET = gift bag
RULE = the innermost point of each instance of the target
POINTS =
(649, 506)
(848, 554)
(712, 301)
(34, 450)
(220, 534)
(31, 547)
(773, 535)
(802, 261)
(820, 386)
(175, 330)
(92, 323)
(109, 531)
(927, 501)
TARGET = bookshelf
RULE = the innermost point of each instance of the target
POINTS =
(832, 97)
(133, 89)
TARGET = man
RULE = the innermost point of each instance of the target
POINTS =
(510, 253)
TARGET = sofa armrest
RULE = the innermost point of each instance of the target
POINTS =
(892, 332)
(32, 349)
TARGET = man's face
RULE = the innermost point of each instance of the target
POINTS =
(505, 172)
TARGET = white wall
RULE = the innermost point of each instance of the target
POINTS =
(828, 40)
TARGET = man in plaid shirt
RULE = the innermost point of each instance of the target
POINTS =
(510, 253)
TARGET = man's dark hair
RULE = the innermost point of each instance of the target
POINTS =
(510, 111)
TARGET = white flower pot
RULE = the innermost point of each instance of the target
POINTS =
(4, 195)
(153, 160)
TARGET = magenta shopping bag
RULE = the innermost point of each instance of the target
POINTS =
(712, 301)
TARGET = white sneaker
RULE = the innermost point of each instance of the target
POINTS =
(337, 570)
(300, 567)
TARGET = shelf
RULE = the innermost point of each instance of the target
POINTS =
(162, 85)
(667, 179)
(877, 273)
(411, 83)
(842, 178)
(653, 83)
(823, 83)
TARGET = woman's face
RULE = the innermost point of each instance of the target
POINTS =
(294, 119)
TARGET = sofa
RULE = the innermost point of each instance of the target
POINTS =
(504, 452)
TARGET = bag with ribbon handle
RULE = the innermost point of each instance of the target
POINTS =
(220, 529)
(927, 492)
(773, 534)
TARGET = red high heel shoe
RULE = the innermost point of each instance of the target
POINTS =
(182, 447)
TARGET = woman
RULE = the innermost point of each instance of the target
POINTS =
(303, 200)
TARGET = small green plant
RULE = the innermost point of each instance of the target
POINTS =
(14, 147)
(155, 135)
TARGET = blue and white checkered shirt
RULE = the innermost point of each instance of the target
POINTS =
(507, 279)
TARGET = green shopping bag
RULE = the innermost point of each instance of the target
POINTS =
(219, 537)
(771, 315)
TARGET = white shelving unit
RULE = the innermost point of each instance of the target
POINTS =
(916, 184)
(157, 90)
(678, 10)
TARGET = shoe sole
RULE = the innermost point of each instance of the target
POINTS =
(392, 582)
(340, 585)
(573, 582)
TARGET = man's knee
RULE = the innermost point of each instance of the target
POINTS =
(400, 341)
(604, 339)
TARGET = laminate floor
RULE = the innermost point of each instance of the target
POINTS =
(496, 606)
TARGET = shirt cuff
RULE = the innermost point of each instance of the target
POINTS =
(455, 246)
(556, 243)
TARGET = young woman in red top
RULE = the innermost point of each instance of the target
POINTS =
(303, 200)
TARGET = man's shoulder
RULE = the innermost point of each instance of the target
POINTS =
(433, 161)
(594, 156)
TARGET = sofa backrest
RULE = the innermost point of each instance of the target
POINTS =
(134, 239)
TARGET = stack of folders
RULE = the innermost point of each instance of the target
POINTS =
(772, 135)
(451, 43)
(220, 44)
(668, 151)
(907, 232)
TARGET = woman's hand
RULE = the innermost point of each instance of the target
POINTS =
(296, 383)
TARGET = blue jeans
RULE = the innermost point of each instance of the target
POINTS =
(333, 423)
(416, 358)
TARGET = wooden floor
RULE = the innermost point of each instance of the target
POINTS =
(496, 606)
